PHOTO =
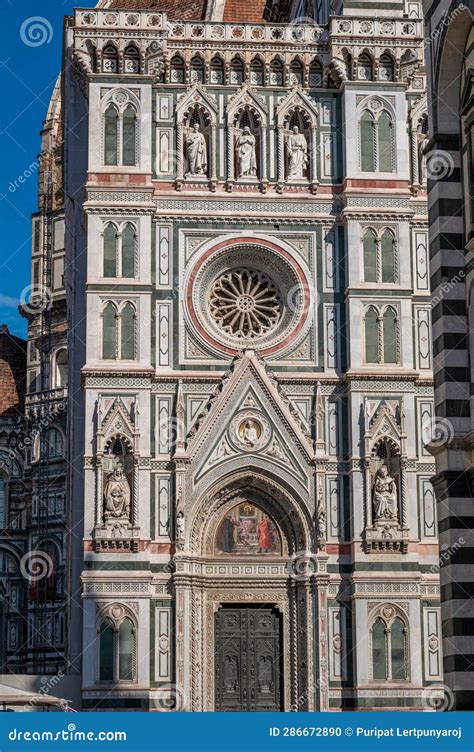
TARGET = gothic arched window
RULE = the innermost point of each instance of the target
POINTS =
(389, 650)
(128, 251)
(397, 650)
(256, 72)
(111, 135)
(197, 70)
(316, 73)
(106, 650)
(370, 256)
(131, 60)
(110, 251)
(390, 336)
(296, 73)
(60, 369)
(236, 71)
(119, 251)
(177, 70)
(388, 250)
(117, 650)
(371, 336)
(379, 651)
(376, 142)
(367, 142)
(385, 143)
(216, 75)
(276, 73)
(386, 68)
(109, 332)
(126, 636)
(109, 59)
(55, 443)
(129, 136)
(127, 333)
(379, 257)
(381, 330)
(365, 67)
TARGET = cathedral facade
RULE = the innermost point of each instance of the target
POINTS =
(250, 361)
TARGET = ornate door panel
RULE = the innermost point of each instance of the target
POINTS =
(248, 662)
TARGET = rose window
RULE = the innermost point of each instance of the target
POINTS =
(245, 303)
(231, 302)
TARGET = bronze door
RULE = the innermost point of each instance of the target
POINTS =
(248, 661)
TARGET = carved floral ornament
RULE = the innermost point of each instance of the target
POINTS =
(247, 293)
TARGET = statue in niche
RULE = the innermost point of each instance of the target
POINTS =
(180, 526)
(246, 158)
(196, 150)
(422, 159)
(321, 519)
(385, 496)
(117, 496)
(297, 154)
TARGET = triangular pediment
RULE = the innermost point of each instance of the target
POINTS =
(246, 96)
(197, 94)
(384, 423)
(297, 98)
(249, 418)
(117, 420)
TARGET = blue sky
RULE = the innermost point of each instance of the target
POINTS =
(31, 34)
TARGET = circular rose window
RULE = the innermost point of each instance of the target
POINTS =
(247, 293)
(245, 303)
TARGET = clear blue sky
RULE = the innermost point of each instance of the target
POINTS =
(29, 63)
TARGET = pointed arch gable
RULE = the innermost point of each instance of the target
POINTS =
(246, 97)
(296, 99)
(292, 519)
(196, 96)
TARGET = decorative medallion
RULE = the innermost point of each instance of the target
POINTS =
(248, 293)
(245, 303)
(388, 612)
(250, 430)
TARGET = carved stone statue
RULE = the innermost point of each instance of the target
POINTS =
(321, 520)
(385, 496)
(117, 496)
(423, 159)
(246, 159)
(250, 434)
(180, 526)
(196, 152)
(297, 154)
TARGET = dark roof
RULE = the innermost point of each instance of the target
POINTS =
(12, 373)
(235, 11)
